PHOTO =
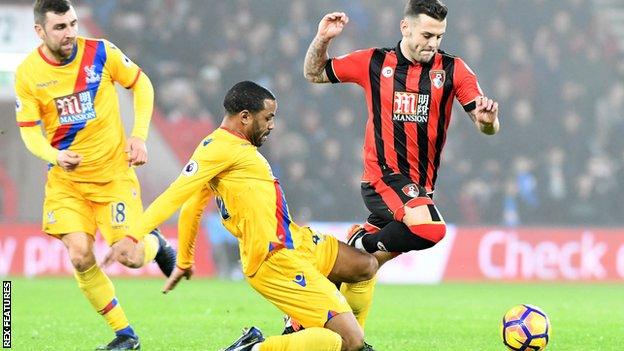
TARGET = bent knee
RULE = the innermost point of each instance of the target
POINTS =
(362, 267)
(81, 260)
(370, 269)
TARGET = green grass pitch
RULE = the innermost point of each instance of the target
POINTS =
(52, 314)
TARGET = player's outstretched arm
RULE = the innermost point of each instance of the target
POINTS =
(189, 222)
(485, 115)
(175, 277)
(329, 27)
(194, 177)
(188, 227)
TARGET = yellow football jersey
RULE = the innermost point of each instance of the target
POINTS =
(250, 199)
(77, 103)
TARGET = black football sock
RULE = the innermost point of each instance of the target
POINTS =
(395, 237)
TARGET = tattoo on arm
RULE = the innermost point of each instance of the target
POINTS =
(315, 60)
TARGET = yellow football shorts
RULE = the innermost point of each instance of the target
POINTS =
(295, 281)
(111, 207)
(321, 248)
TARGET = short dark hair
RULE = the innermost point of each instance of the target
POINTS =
(432, 8)
(44, 6)
(246, 95)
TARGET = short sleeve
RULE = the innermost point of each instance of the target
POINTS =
(27, 111)
(121, 68)
(351, 68)
(467, 87)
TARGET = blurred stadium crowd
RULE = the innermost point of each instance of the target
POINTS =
(557, 160)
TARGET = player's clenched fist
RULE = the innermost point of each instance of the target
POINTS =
(486, 109)
(331, 25)
(68, 160)
(136, 151)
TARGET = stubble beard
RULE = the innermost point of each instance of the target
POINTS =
(60, 53)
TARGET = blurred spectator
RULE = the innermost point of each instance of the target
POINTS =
(558, 79)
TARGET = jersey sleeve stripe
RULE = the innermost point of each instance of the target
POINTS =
(329, 70)
(29, 123)
(135, 79)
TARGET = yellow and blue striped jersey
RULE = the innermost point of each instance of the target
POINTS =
(78, 105)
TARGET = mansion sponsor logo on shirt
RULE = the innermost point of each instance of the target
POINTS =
(410, 107)
(75, 108)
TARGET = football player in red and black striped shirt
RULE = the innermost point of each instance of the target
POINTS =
(409, 92)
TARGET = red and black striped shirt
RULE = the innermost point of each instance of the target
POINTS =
(409, 108)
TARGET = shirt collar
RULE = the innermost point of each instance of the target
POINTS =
(402, 60)
(62, 63)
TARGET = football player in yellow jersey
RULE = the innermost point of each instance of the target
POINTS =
(67, 86)
(291, 266)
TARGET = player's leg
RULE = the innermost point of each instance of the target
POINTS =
(414, 222)
(345, 325)
(352, 265)
(342, 263)
(312, 339)
(403, 218)
(69, 217)
(359, 295)
(98, 289)
(381, 236)
(118, 206)
(291, 282)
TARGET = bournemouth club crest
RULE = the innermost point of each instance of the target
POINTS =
(411, 190)
(437, 78)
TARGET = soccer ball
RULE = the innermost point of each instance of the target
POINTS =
(525, 328)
